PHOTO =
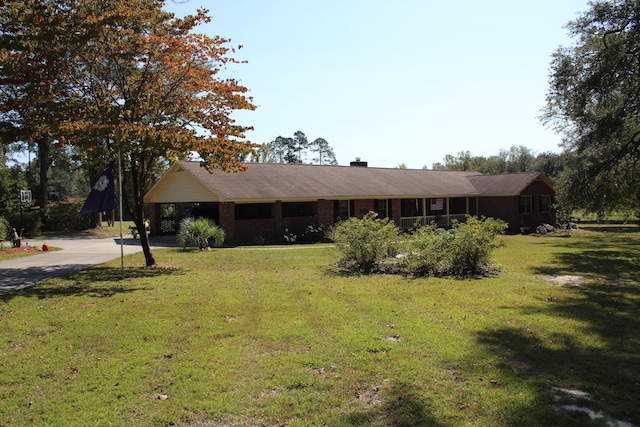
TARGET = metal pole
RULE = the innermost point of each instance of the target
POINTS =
(120, 202)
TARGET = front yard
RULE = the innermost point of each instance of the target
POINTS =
(245, 337)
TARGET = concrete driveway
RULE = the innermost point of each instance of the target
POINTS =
(76, 254)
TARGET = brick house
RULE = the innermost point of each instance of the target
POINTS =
(269, 200)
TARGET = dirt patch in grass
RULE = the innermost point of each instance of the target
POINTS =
(566, 280)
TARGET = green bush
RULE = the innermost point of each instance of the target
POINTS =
(197, 232)
(65, 216)
(5, 228)
(427, 252)
(365, 242)
(464, 250)
(31, 222)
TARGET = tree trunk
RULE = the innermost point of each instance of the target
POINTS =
(138, 175)
(146, 247)
(96, 219)
(44, 151)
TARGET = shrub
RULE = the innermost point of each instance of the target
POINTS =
(311, 234)
(30, 220)
(462, 251)
(545, 228)
(427, 252)
(198, 232)
(474, 241)
(65, 216)
(5, 228)
(365, 242)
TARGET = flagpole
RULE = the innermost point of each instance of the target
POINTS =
(120, 202)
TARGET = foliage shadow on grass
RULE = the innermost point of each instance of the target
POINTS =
(593, 263)
(606, 371)
(90, 282)
(612, 229)
(401, 407)
(609, 256)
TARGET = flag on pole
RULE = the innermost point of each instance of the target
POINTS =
(437, 204)
(102, 194)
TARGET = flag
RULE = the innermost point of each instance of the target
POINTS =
(102, 196)
(437, 204)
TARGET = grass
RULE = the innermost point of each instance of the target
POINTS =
(243, 337)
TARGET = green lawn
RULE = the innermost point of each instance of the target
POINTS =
(242, 337)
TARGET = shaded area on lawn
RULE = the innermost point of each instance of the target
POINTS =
(402, 406)
(601, 258)
(604, 367)
(89, 282)
(608, 228)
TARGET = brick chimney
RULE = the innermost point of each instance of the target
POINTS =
(359, 163)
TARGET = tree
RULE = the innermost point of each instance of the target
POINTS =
(300, 143)
(593, 100)
(520, 159)
(264, 153)
(150, 84)
(283, 150)
(36, 39)
(292, 150)
(12, 180)
(324, 152)
(549, 163)
(463, 162)
(122, 78)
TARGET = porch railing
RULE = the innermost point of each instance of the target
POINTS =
(439, 220)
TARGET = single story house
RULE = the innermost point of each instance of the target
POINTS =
(269, 200)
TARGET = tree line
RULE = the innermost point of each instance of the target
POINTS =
(515, 159)
(296, 149)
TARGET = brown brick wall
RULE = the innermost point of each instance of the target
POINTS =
(508, 208)
(363, 207)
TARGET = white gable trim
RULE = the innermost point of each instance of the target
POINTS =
(180, 187)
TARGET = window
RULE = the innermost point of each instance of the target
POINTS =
(381, 208)
(411, 207)
(295, 209)
(457, 205)
(526, 204)
(343, 209)
(253, 211)
(545, 203)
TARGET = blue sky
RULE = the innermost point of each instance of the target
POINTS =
(395, 81)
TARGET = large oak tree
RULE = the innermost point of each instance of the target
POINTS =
(594, 99)
(144, 85)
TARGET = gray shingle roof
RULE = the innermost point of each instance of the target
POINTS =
(503, 185)
(277, 181)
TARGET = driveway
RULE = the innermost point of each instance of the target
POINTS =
(76, 254)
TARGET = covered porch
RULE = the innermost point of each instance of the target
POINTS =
(442, 211)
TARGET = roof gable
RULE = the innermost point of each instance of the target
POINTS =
(178, 185)
(510, 184)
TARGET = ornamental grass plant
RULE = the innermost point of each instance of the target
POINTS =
(200, 233)
(271, 336)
